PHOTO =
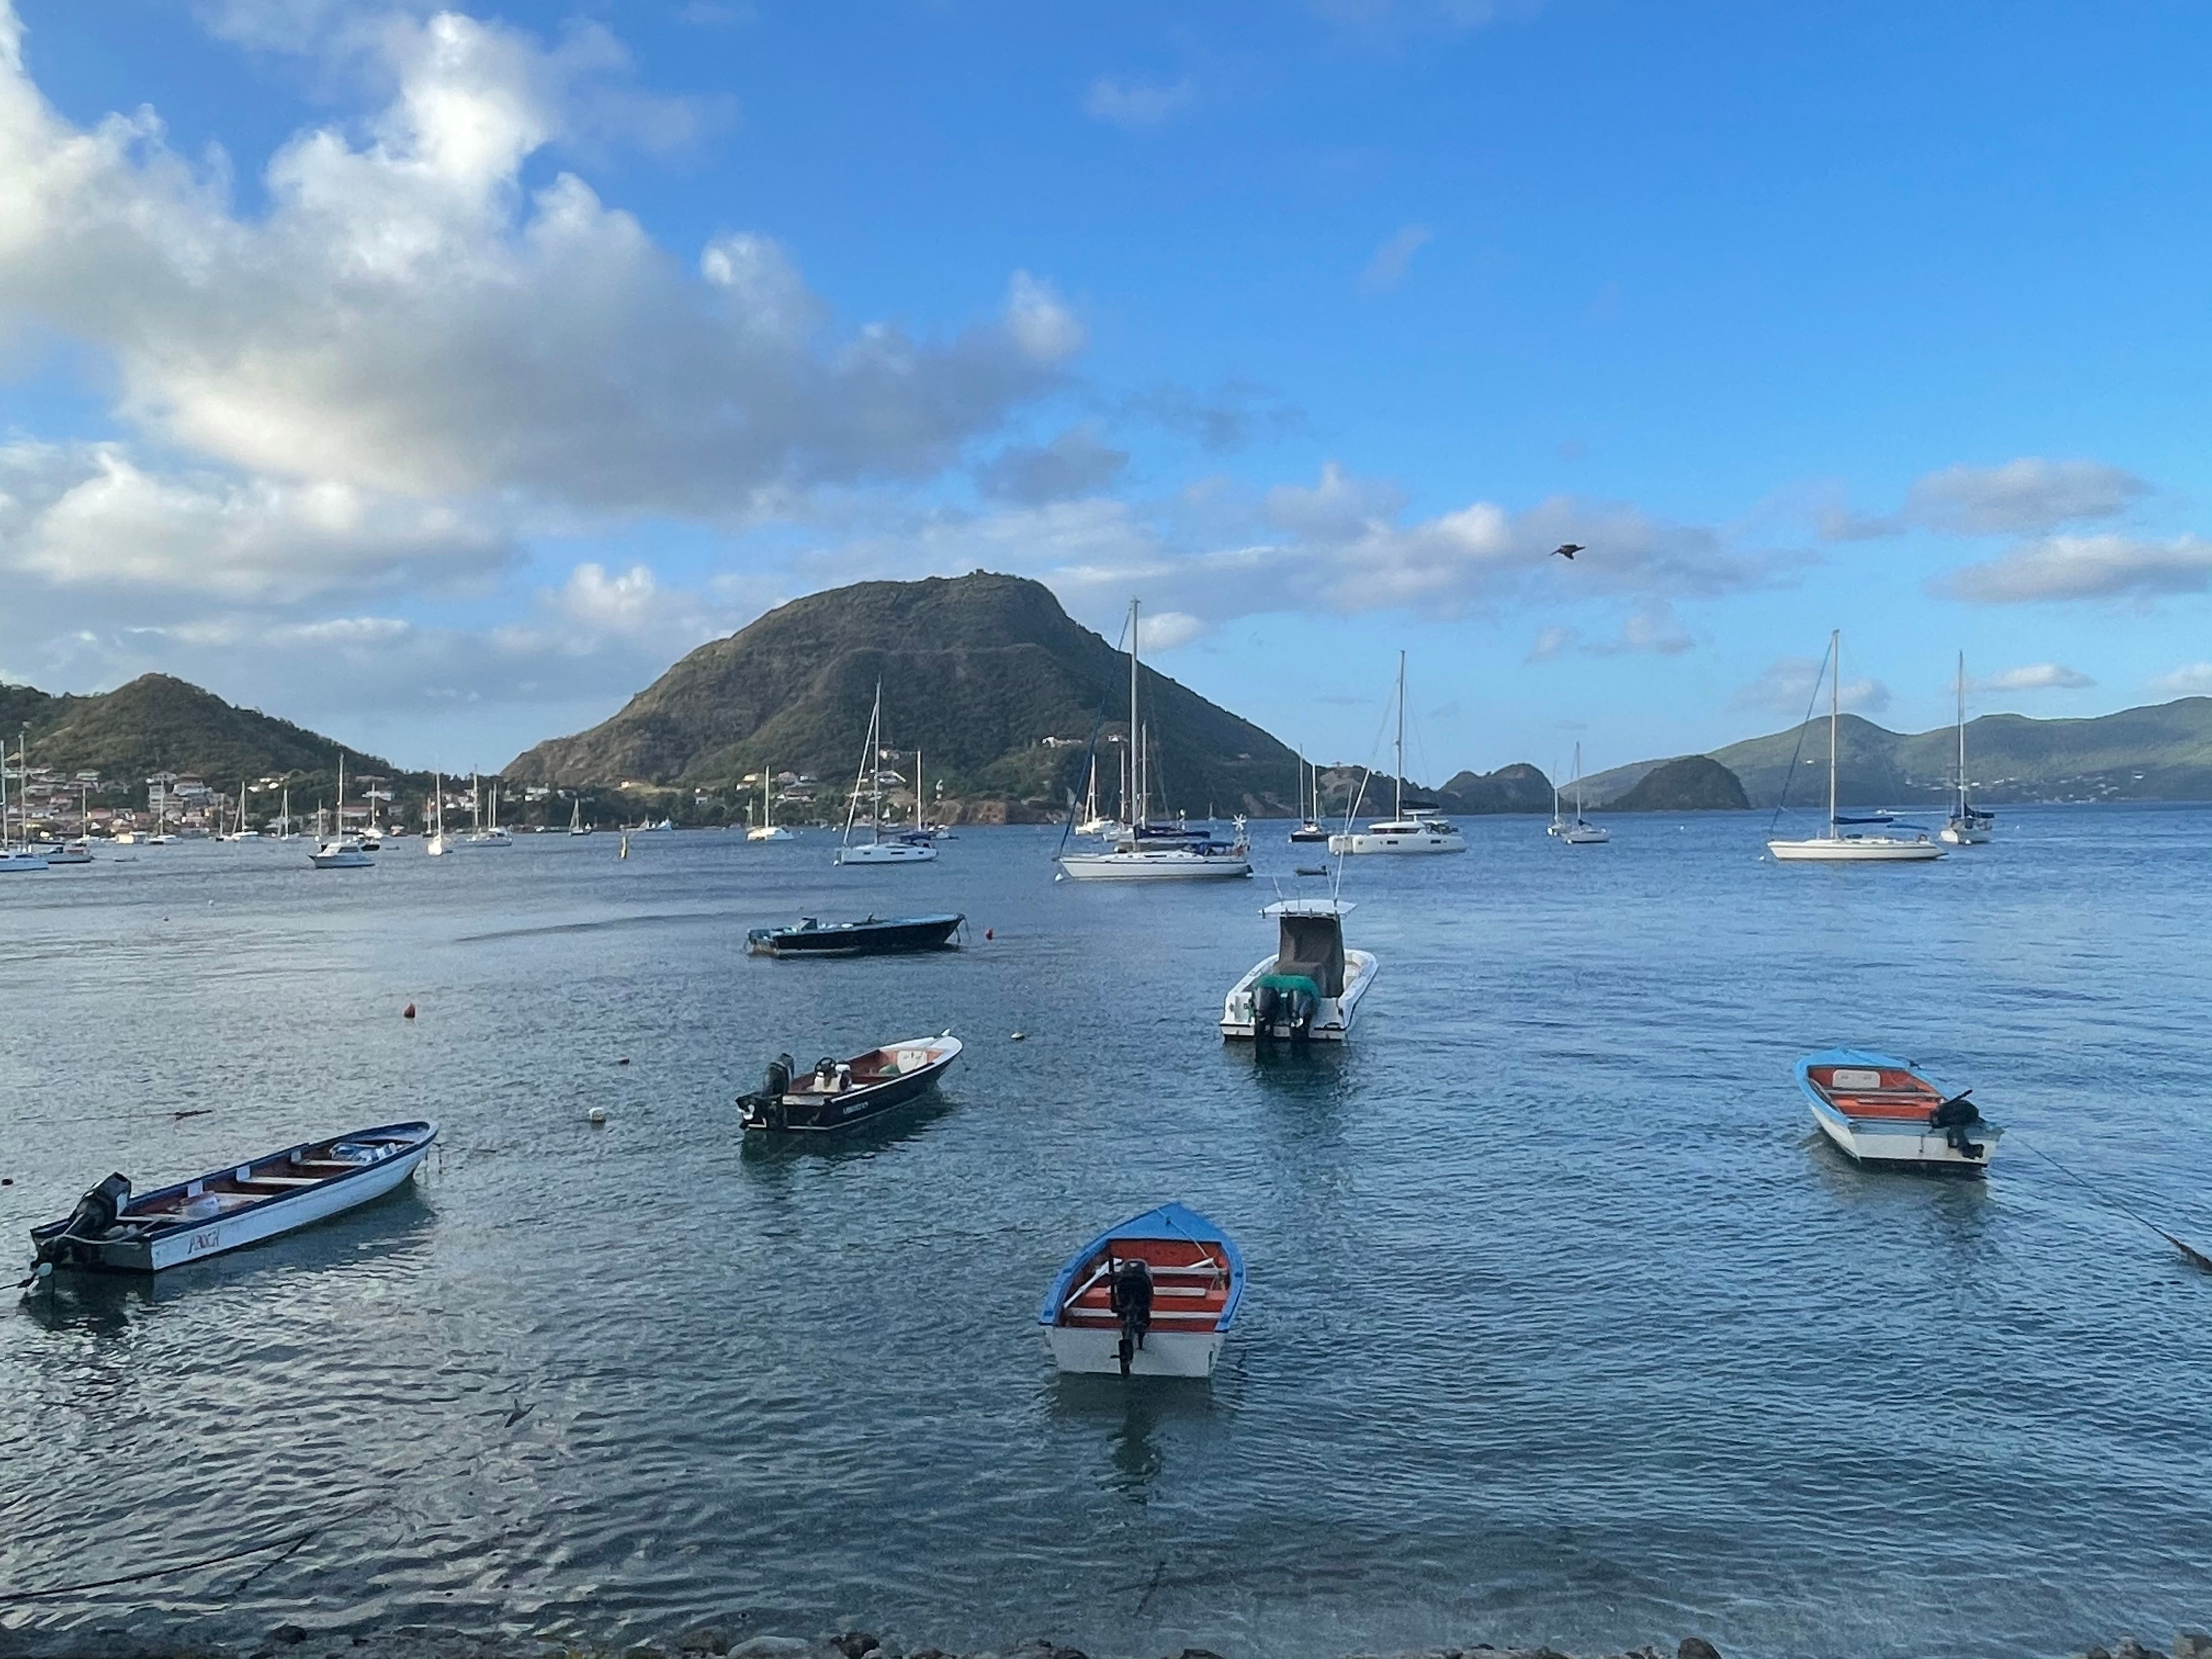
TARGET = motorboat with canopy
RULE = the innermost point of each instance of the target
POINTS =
(1153, 1295)
(1882, 1110)
(1309, 990)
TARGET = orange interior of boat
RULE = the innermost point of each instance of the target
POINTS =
(1190, 1284)
(1899, 1094)
(872, 1067)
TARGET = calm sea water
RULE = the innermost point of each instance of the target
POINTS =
(1560, 1325)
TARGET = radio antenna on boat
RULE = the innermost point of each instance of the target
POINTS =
(2197, 1258)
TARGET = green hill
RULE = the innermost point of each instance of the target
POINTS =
(2159, 752)
(1694, 783)
(995, 684)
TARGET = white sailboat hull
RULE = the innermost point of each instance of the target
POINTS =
(1854, 849)
(1162, 864)
(347, 858)
(775, 832)
(1331, 1020)
(1092, 1352)
(1581, 835)
(17, 863)
(1399, 841)
(1957, 835)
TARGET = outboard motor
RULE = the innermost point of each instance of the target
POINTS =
(1132, 1305)
(1264, 1000)
(1955, 1117)
(95, 1212)
(779, 1078)
(1303, 1006)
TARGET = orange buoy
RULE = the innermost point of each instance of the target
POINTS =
(408, 1012)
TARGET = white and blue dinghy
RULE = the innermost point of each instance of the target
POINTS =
(1154, 1296)
(113, 1230)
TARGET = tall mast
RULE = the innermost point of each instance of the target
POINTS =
(1398, 802)
(1962, 734)
(1835, 715)
(1138, 763)
(1578, 782)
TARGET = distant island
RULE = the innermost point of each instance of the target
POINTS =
(1694, 783)
(2159, 752)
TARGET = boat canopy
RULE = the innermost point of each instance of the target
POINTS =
(1311, 945)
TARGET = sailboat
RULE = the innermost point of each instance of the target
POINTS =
(907, 848)
(341, 851)
(435, 844)
(768, 829)
(576, 824)
(1310, 828)
(78, 848)
(1579, 832)
(1420, 832)
(1836, 847)
(483, 835)
(1154, 852)
(1970, 826)
(1094, 822)
(15, 860)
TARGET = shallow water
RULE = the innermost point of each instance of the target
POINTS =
(1560, 1326)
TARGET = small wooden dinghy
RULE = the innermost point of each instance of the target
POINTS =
(1881, 1111)
(112, 1230)
(840, 1093)
(873, 937)
(1152, 1296)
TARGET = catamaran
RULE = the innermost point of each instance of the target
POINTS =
(1970, 826)
(909, 847)
(1855, 847)
(1578, 831)
(1418, 831)
(1147, 851)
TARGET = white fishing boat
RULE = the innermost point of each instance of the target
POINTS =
(1149, 851)
(1402, 832)
(1577, 832)
(1970, 826)
(1155, 1295)
(1309, 990)
(112, 1230)
(907, 847)
(768, 829)
(340, 851)
(1885, 1112)
(1846, 843)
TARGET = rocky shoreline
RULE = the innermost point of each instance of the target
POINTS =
(293, 1641)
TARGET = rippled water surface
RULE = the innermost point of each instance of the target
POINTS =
(1560, 1325)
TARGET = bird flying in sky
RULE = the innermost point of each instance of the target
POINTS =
(1567, 550)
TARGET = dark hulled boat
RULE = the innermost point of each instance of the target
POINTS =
(875, 936)
(840, 1093)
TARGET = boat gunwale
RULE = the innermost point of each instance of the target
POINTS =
(419, 1143)
(1206, 1232)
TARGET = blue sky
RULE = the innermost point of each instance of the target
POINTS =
(436, 378)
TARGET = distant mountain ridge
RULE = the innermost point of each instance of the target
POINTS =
(2161, 752)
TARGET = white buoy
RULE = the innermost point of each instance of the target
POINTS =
(1017, 1037)
(597, 1114)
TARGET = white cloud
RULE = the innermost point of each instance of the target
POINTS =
(1076, 463)
(83, 515)
(2037, 676)
(1550, 643)
(1164, 630)
(2024, 497)
(1138, 104)
(1393, 258)
(1785, 686)
(2105, 567)
(2029, 496)
(386, 323)
(2191, 680)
